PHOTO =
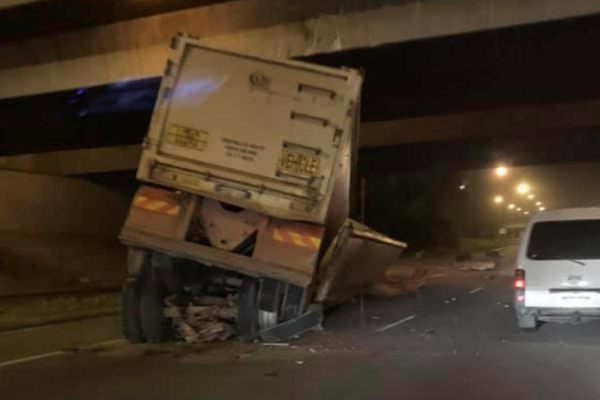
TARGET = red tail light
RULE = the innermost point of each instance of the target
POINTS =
(520, 285)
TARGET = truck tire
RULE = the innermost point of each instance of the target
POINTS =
(131, 324)
(527, 323)
(246, 327)
(155, 326)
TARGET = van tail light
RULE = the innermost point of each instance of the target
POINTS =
(520, 285)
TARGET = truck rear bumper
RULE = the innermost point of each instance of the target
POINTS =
(214, 257)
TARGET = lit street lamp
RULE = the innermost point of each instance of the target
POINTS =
(501, 171)
(542, 208)
(538, 203)
(519, 209)
(531, 196)
(526, 213)
(523, 188)
(462, 187)
(498, 199)
(511, 206)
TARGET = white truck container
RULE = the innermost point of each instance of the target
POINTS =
(250, 162)
(264, 135)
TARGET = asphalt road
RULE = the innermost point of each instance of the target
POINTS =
(456, 340)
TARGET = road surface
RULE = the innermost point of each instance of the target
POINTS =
(456, 340)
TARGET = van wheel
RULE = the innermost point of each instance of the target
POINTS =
(155, 325)
(527, 323)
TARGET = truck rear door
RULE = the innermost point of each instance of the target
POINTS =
(261, 134)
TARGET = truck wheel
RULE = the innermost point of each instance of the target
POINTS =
(131, 324)
(246, 327)
(155, 326)
(527, 323)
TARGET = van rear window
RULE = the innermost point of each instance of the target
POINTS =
(557, 240)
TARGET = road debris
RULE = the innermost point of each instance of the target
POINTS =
(437, 276)
(476, 265)
(206, 319)
(479, 289)
(299, 362)
(400, 280)
(429, 333)
(276, 344)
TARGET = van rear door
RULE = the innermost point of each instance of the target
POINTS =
(562, 264)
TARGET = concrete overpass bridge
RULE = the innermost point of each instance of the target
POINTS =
(483, 72)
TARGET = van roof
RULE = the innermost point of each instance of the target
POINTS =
(566, 214)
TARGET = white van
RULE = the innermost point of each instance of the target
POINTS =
(557, 275)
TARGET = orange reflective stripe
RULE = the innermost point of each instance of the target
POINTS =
(296, 238)
(159, 206)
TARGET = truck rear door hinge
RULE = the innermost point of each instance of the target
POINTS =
(337, 135)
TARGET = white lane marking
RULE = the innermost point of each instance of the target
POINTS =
(101, 344)
(58, 353)
(32, 358)
(393, 324)
(479, 289)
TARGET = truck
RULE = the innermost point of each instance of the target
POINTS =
(248, 188)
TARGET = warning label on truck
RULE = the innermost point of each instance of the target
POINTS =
(241, 150)
(187, 137)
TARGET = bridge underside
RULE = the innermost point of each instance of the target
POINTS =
(137, 48)
(464, 100)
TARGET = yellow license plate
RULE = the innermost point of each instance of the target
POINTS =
(187, 137)
(298, 163)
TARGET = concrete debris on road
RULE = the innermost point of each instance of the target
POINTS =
(205, 320)
(437, 276)
(476, 265)
(399, 280)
